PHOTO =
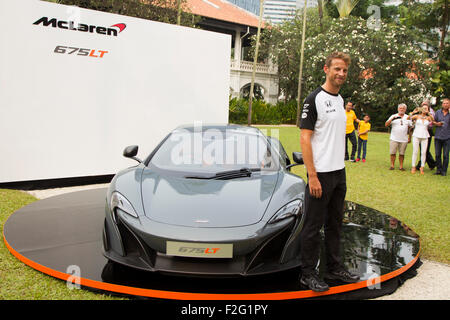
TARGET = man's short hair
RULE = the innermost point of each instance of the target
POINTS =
(337, 55)
(402, 105)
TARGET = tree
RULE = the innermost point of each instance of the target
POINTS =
(427, 18)
(344, 7)
(282, 44)
(387, 12)
(386, 69)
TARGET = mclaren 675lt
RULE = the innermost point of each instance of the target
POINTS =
(215, 200)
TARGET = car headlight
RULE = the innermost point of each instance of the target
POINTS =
(291, 209)
(120, 202)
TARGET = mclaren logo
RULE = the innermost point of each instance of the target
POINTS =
(114, 30)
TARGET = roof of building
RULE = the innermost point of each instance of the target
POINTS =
(223, 10)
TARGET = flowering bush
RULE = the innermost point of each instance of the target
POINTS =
(388, 67)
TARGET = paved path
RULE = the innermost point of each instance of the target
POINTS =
(432, 281)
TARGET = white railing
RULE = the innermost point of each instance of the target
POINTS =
(248, 66)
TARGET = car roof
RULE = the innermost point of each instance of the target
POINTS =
(221, 127)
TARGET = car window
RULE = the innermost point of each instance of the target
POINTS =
(276, 144)
(215, 150)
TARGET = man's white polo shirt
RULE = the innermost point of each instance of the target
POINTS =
(323, 112)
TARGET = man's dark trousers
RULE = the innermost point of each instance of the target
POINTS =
(327, 211)
(352, 137)
(442, 147)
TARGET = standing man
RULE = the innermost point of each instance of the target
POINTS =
(442, 137)
(399, 135)
(350, 130)
(322, 141)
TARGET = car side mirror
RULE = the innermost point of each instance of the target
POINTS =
(298, 159)
(131, 152)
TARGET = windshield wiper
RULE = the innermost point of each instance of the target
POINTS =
(226, 175)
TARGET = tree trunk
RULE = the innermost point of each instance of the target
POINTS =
(445, 18)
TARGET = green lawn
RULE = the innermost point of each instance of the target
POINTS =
(422, 202)
(419, 201)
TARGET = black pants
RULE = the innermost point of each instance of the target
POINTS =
(442, 147)
(327, 211)
(352, 137)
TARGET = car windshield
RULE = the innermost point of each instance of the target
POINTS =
(215, 150)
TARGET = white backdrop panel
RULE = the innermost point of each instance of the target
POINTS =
(68, 115)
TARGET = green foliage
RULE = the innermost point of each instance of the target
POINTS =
(387, 12)
(424, 18)
(387, 68)
(283, 42)
(157, 10)
(441, 82)
(262, 112)
(344, 7)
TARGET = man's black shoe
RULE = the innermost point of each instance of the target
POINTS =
(342, 275)
(444, 173)
(437, 173)
(313, 282)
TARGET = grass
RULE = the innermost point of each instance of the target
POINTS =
(421, 202)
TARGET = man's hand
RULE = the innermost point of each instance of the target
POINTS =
(315, 188)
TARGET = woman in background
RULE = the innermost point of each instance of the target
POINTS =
(422, 118)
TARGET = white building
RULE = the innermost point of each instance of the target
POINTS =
(225, 17)
(278, 11)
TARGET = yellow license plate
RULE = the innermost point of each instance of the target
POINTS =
(199, 250)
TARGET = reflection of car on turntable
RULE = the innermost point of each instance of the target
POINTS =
(215, 200)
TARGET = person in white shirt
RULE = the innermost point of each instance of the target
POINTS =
(399, 135)
(322, 139)
(422, 118)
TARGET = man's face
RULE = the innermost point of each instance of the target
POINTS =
(446, 104)
(349, 106)
(366, 119)
(336, 72)
(401, 110)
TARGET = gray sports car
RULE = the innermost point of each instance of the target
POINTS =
(216, 200)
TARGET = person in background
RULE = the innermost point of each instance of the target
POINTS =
(442, 137)
(363, 134)
(429, 158)
(399, 135)
(422, 118)
(350, 130)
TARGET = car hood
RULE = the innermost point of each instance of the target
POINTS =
(206, 203)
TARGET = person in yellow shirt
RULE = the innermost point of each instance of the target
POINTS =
(363, 134)
(350, 130)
